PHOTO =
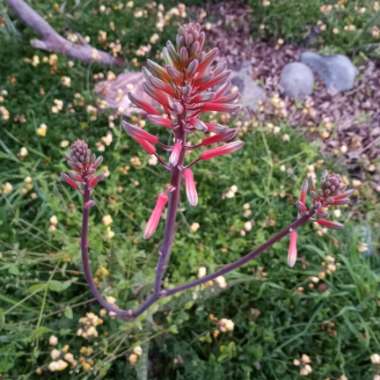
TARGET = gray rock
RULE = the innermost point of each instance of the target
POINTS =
(251, 94)
(336, 71)
(297, 80)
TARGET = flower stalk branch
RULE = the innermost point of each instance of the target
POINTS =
(130, 314)
(189, 84)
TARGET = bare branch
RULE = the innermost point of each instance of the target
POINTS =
(53, 42)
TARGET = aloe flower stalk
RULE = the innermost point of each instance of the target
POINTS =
(190, 83)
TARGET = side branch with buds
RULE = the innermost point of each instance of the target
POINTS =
(189, 84)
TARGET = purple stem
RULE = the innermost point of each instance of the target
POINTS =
(85, 256)
(166, 248)
(169, 233)
(243, 260)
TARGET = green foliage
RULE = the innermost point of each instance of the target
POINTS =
(344, 26)
(43, 292)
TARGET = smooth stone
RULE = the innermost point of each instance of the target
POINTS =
(114, 92)
(336, 71)
(297, 80)
(251, 94)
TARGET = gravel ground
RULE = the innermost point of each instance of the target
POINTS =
(347, 125)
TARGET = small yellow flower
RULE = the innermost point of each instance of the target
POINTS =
(64, 143)
(53, 220)
(66, 81)
(42, 130)
(107, 220)
(23, 152)
(7, 188)
(202, 271)
(53, 340)
(375, 359)
(226, 325)
(133, 359)
(194, 227)
(55, 354)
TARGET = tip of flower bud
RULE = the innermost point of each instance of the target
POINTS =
(221, 150)
(292, 251)
(155, 217)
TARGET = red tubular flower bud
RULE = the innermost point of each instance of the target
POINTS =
(200, 125)
(194, 50)
(159, 120)
(146, 145)
(66, 178)
(201, 98)
(191, 190)
(220, 107)
(159, 84)
(344, 195)
(225, 136)
(292, 251)
(221, 150)
(304, 190)
(173, 54)
(212, 139)
(157, 70)
(176, 152)
(212, 127)
(137, 132)
(93, 181)
(330, 224)
(223, 89)
(226, 98)
(191, 69)
(184, 55)
(143, 105)
(301, 207)
(166, 56)
(155, 217)
(156, 94)
(338, 202)
(211, 80)
(174, 74)
(206, 61)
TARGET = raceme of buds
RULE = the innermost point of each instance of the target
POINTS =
(189, 83)
(84, 165)
(332, 193)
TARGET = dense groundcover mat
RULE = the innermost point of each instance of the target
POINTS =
(322, 315)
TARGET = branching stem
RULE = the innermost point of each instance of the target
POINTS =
(158, 292)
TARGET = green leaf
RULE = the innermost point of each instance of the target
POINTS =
(40, 331)
(68, 312)
(59, 286)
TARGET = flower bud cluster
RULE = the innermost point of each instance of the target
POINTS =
(332, 193)
(84, 165)
(189, 84)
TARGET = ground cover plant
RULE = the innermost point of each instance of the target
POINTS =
(261, 326)
(339, 26)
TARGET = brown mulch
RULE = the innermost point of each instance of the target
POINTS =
(347, 125)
